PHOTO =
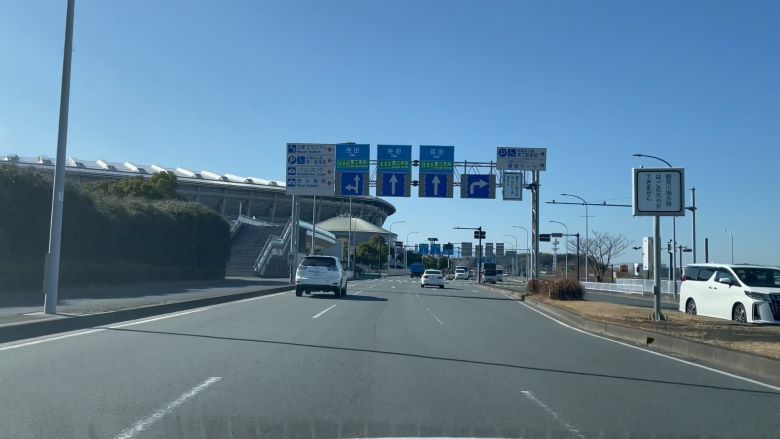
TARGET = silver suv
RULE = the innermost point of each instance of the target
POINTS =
(320, 273)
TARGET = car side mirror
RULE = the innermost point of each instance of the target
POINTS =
(725, 280)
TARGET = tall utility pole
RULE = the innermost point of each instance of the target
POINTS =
(566, 269)
(535, 225)
(478, 235)
(388, 242)
(313, 225)
(51, 274)
(528, 248)
(406, 259)
(587, 236)
(692, 208)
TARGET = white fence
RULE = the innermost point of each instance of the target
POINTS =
(632, 286)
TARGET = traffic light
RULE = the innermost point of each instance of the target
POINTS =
(479, 234)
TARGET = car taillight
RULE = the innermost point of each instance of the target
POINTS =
(438, 277)
(425, 277)
(332, 268)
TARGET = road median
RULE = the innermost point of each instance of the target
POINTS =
(748, 350)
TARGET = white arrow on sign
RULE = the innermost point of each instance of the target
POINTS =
(435, 182)
(356, 186)
(393, 181)
(480, 183)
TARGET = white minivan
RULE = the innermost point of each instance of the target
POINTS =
(743, 293)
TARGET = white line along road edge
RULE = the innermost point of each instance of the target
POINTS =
(143, 424)
(628, 345)
(123, 325)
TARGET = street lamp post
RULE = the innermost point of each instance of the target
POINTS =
(732, 243)
(514, 263)
(587, 235)
(566, 270)
(406, 258)
(388, 243)
(528, 248)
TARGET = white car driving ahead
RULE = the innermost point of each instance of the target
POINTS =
(743, 293)
(432, 278)
(320, 273)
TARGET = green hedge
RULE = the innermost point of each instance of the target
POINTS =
(109, 236)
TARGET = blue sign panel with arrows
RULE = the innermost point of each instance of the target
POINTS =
(394, 170)
(436, 168)
(352, 169)
(478, 186)
(436, 185)
(423, 249)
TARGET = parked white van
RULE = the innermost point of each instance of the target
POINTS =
(743, 293)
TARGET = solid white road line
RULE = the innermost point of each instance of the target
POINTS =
(123, 325)
(570, 428)
(323, 312)
(154, 319)
(356, 293)
(680, 360)
(143, 424)
(434, 316)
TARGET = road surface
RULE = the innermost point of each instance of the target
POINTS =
(391, 359)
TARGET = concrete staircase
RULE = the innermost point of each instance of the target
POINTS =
(246, 246)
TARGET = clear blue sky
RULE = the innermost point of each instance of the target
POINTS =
(224, 85)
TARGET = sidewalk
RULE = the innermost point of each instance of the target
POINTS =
(21, 307)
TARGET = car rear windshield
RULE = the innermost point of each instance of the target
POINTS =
(759, 277)
(318, 262)
(432, 272)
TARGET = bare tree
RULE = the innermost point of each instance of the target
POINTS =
(603, 248)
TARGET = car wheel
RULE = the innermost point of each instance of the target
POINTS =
(738, 314)
(422, 285)
(298, 292)
(690, 307)
(441, 286)
(344, 291)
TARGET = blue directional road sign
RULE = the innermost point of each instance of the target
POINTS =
(394, 170)
(436, 185)
(478, 186)
(352, 167)
(353, 183)
(435, 249)
(423, 249)
(393, 184)
(436, 167)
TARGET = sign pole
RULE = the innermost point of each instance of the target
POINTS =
(535, 226)
(293, 230)
(656, 270)
(313, 226)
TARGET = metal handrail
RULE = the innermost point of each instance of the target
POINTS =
(272, 242)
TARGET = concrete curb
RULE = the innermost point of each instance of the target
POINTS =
(748, 365)
(37, 328)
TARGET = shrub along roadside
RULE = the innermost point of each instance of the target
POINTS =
(110, 236)
(557, 289)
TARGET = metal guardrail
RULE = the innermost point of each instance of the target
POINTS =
(632, 286)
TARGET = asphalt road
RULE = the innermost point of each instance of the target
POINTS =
(392, 360)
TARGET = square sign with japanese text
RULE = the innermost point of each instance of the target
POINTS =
(659, 191)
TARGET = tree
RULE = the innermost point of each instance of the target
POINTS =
(602, 249)
(372, 251)
(161, 186)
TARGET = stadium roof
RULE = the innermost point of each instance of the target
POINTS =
(140, 169)
(341, 224)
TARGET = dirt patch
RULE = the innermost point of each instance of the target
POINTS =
(760, 340)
